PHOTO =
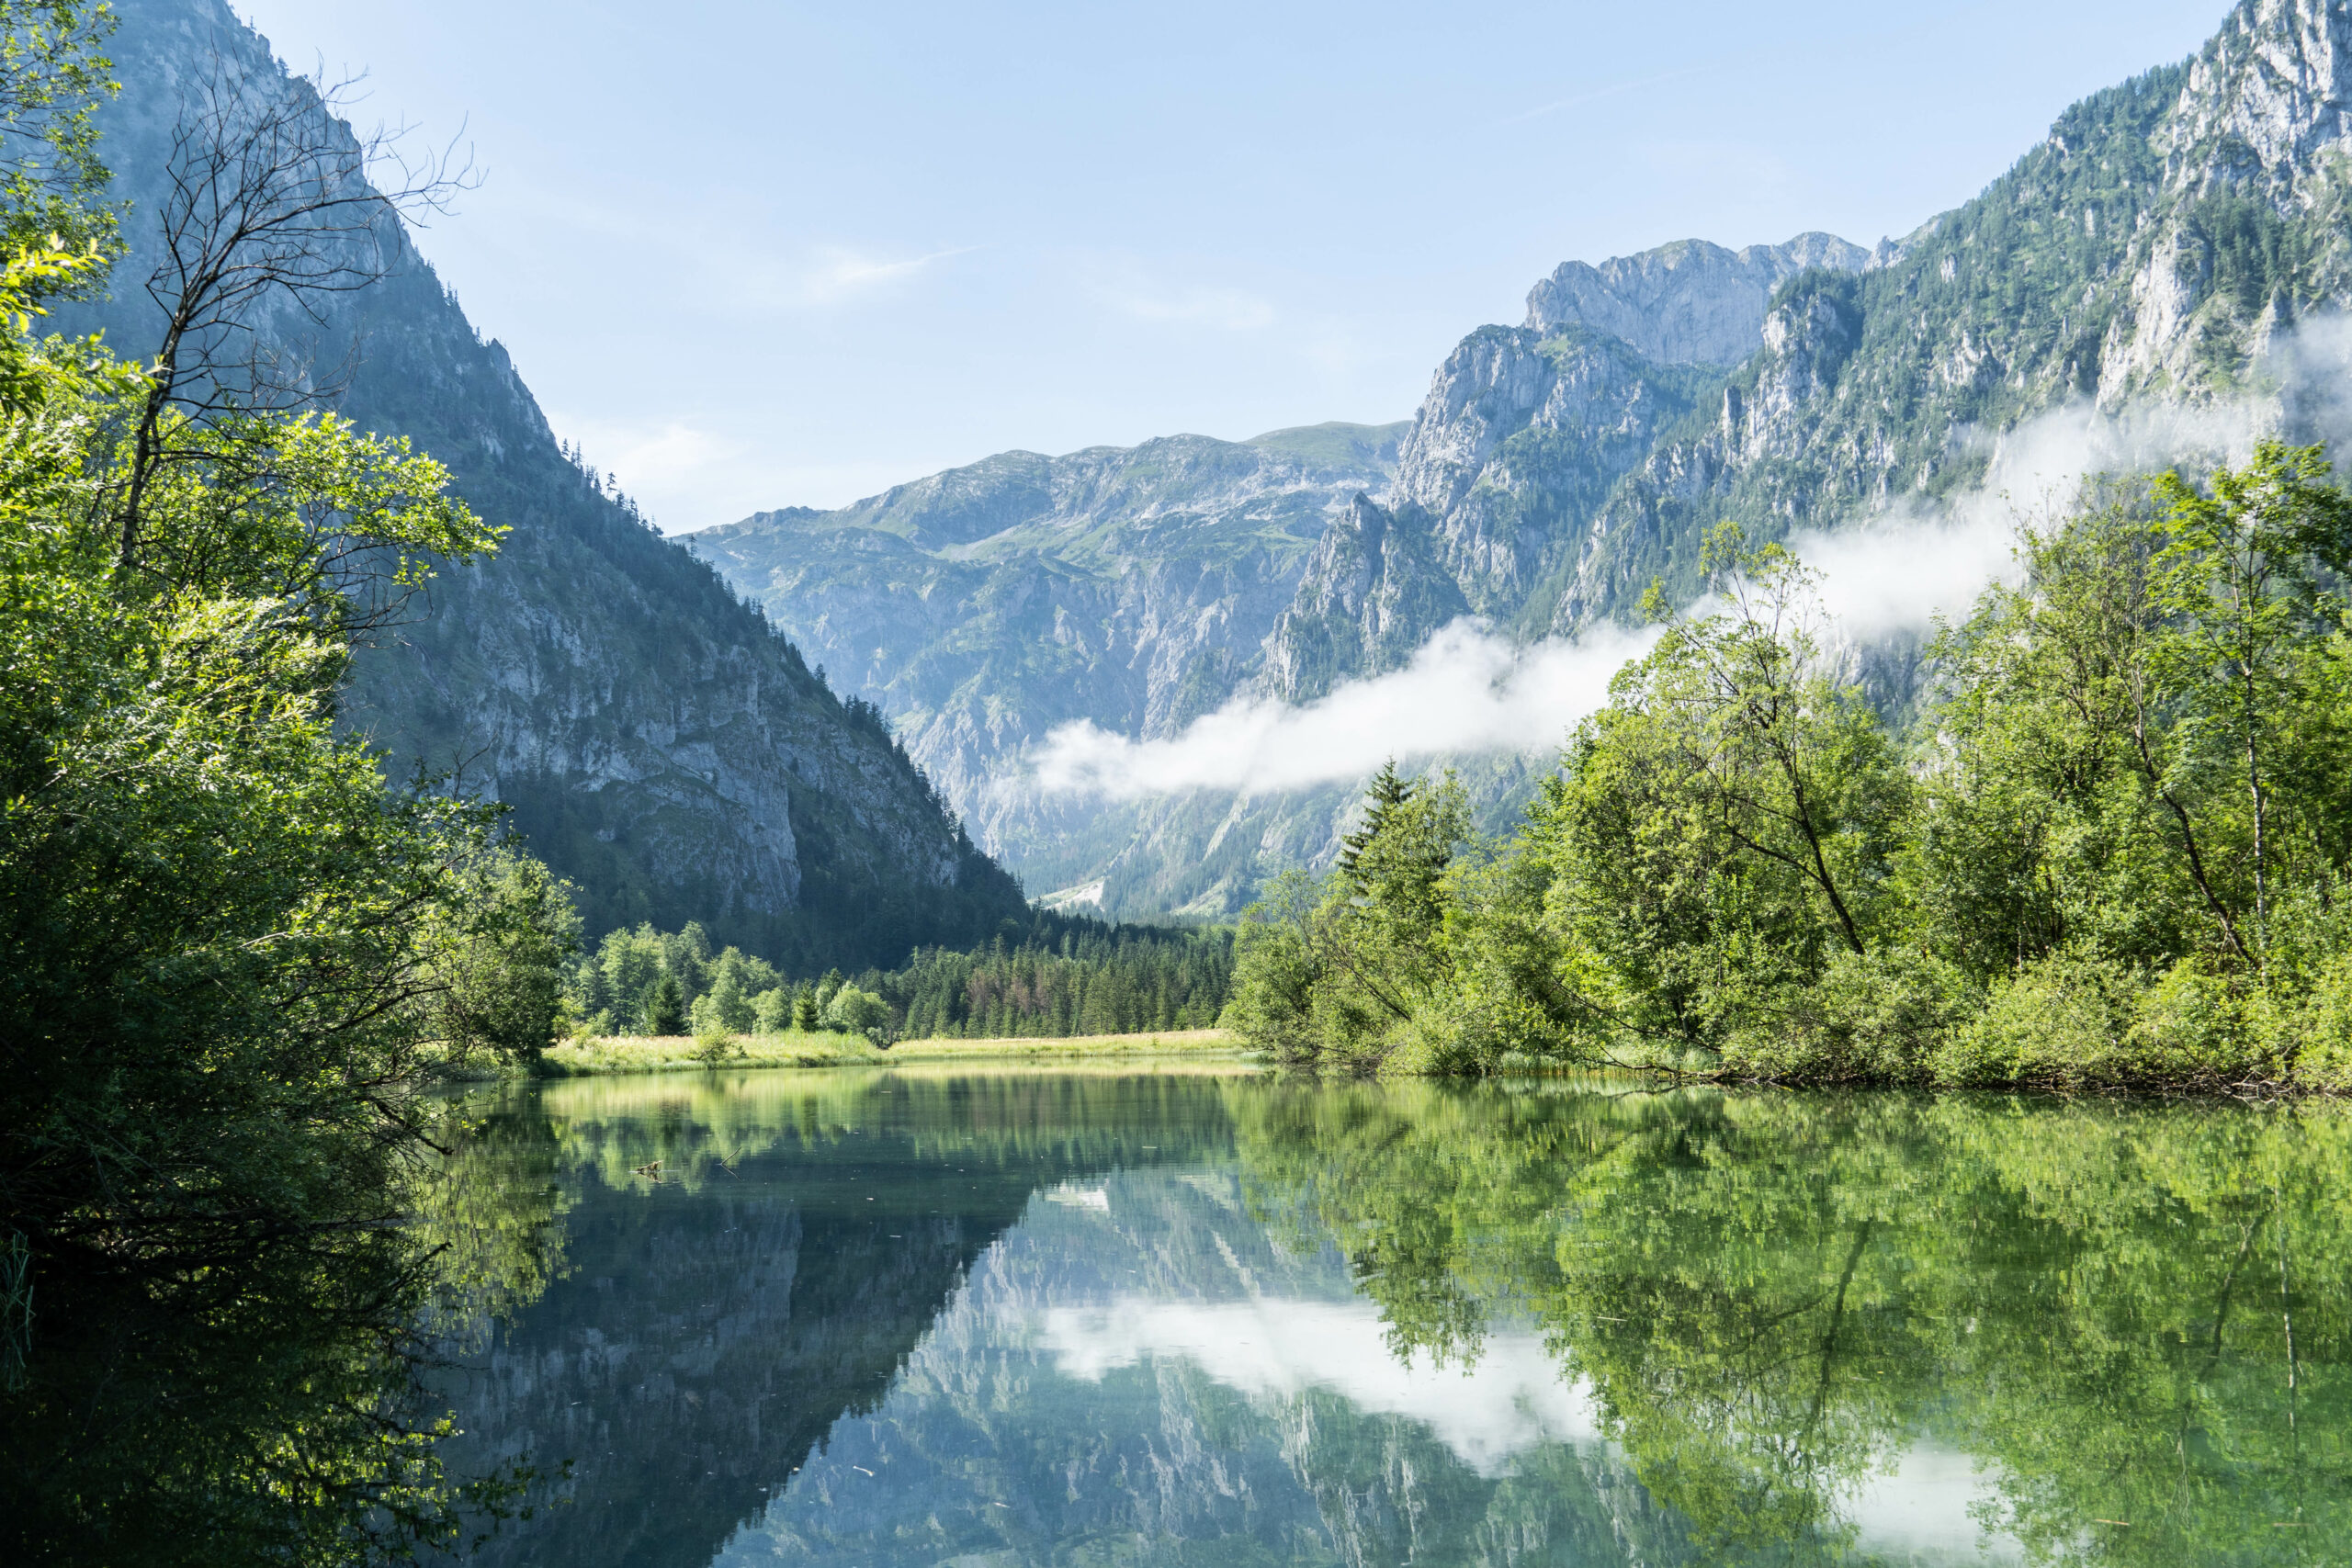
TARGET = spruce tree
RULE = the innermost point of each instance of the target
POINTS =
(1389, 790)
(665, 1007)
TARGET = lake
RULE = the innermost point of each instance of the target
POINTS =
(997, 1317)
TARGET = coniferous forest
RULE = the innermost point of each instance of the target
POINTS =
(1059, 976)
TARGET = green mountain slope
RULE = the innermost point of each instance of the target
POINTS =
(983, 606)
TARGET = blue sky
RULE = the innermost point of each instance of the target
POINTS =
(766, 254)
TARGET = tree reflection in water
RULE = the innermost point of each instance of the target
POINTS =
(906, 1318)
(244, 1398)
(2130, 1316)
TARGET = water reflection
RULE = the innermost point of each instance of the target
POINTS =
(968, 1319)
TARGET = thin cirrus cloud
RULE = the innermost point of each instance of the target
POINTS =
(839, 275)
(1225, 310)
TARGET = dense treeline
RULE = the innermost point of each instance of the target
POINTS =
(1055, 977)
(230, 950)
(1122, 981)
(2113, 850)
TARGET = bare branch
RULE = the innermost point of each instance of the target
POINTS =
(276, 208)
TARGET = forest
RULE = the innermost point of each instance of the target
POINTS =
(2108, 848)
(1056, 976)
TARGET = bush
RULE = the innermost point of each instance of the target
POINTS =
(2061, 1020)
(852, 1011)
(1883, 1016)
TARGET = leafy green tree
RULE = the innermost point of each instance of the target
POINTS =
(1354, 970)
(804, 1013)
(500, 957)
(2138, 823)
(855, 1011)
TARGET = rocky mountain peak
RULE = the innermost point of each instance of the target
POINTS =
(1687, 303)
(2266, 99)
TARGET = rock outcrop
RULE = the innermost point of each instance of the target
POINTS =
(2159, 245)
(657, 741)
(1687, 303)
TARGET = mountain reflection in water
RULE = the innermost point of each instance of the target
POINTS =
(1033, 1317)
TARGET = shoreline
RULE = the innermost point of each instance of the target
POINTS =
(659, 1053)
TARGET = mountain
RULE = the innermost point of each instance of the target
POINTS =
(1687, 303)
(2159, 246)
(2155, 247)
(982, 606)
(658, 741)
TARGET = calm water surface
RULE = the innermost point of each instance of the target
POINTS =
(978, 1318)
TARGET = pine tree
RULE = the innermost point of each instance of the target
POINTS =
(665, 1007)
(1389, 790)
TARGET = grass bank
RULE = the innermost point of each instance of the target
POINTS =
(628, 1054)
(1159, 1042)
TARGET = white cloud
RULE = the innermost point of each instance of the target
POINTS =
(1512, 1400)
(1920, 1501)
(1465, 691)
(1469, 692)
(836, 273)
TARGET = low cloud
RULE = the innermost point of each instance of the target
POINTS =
(1471, 692)
(1466, 691)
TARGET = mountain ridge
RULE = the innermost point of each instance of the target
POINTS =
(2151, 248)
(655, 739)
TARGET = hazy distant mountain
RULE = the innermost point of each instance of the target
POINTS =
(658, 742)
(2153, 247)
(981, 607)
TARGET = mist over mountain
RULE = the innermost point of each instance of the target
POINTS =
(2175, 241)
(659, 743)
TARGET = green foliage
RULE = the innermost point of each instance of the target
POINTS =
(1059, 977)
(2117, 854)
(501, 952)
(225, 945)
(1726, 827)
(1361, 967)
(851, 1011)
(2119, 1312)
(665, 1006)
(52, 79)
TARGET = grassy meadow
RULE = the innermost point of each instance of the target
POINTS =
(796, 1048)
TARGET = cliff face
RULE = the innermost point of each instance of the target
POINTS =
(659, 743)
(2152, 248)
(1687, 303)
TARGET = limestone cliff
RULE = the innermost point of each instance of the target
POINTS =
(2156, 246)
(658, 742)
